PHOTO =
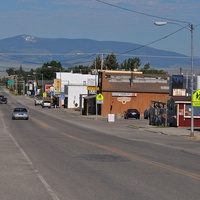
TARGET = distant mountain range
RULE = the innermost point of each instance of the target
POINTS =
(29, 51)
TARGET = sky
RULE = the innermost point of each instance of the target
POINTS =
(106, 20)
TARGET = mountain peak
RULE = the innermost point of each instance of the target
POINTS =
(29, 38)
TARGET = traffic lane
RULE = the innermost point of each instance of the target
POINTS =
(128, 129)
(125, 130)
(99, 161)
(19, 180)
(178, 144)
(54, 120)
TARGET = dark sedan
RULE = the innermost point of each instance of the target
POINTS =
(20, 113)
(132, 113)
(3, 100)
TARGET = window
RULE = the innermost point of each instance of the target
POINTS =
(187, 111)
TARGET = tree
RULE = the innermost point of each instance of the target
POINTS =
(49, 69)
(11, 71)
(96, 63)
(147, 70)
(110, 62)
(131, 63)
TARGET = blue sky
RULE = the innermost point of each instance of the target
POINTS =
(121, 20)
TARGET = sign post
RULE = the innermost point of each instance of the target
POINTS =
(99, 100)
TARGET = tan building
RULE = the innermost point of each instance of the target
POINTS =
(127, 89)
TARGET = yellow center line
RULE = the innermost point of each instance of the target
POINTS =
(128, 155)
(41, 123)
(138, 158)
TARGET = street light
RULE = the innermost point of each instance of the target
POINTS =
(190, 27)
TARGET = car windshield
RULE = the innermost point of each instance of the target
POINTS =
(20, 110)
(132, 110)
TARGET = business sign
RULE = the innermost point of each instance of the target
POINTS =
(57, 83)
(179, 92)
(92, 90)
(123, 94)
(47, 88)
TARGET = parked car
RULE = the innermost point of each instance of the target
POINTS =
(146, 114)
(20, 113)
(1, 97)
(38, 102)
(132, 113)
(46, 103)
(3, 100)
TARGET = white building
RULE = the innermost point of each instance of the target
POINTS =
(73, 85)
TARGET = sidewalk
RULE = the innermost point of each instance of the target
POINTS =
(142, 124)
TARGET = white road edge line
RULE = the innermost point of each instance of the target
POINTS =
(48, 188)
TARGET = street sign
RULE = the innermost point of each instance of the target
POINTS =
(196, 99)
(99, 102)
(62, 96)
(44, 94)
(51, 92)
(11, 82)
(99, 97)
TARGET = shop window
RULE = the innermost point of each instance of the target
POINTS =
(187, 111)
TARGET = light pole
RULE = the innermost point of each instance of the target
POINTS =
(190, 27)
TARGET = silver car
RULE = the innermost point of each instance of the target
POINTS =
(20, 113)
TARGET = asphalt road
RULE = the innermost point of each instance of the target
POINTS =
(61, 156)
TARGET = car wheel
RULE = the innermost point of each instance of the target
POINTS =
(42, 106)
(27, 118)
(13, 118)
(49, 107)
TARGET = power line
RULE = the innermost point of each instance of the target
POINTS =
(148, 44)
(141, 13)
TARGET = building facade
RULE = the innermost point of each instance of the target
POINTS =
(73, 85)
(126, 89)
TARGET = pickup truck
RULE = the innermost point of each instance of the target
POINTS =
(38, 102)
(46, 103)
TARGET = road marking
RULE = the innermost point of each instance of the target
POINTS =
(41, 123)
(135, 157)
(46, 185)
